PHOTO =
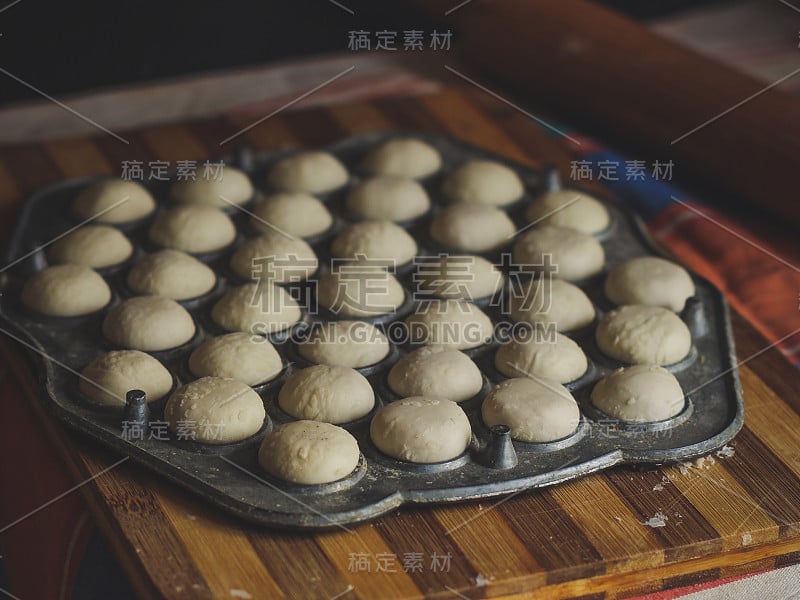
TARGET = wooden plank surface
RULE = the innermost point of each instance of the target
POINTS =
(584, 538)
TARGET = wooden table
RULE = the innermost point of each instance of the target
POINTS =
(587, 538)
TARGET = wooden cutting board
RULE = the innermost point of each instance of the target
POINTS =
(589, 538)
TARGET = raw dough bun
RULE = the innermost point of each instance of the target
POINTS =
(536, 410)
(296, 213)
(380, 242)
(650, 280)
(462, 277)
(577, 255)
(131, 201)
(313, 172)
(472, 228)
(251, 360)
(193, 229)
(149, 323)
(388, 198)
(643, 335)
(437, 372)
(421, 430)
(95, 246)
(639, 393)
(548, 300)
(327, 393)
(354, 344)
(455, 324)
(561, 361)
(571, 209)
(309, 452)
(293, 259)
(172, 274)
(66, 291)
(234, 186)
(403, 157)
(366, 292)
(220, 410)
(483, 182)
(113, 374)
(256, 308)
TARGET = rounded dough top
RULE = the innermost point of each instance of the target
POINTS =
(66, 291)
(547, 300)
(650, 280)
(437, 372)
(644, 335)
(172, 274)
(256, 308)
(309, 452)
(295, 213)
(472, 228)
(274, 258)
(131, 201)
(388, 198)
(403, 157)
(571, 209)
(95, 246)
(327, 393)
(109, 377)
(150, 323)
(251, 360)
(222, 410)
(380, 242)
(354, 344)
(577, 255)
(421, 430)
(483, 182)
(234, 187)
(363, 293)
(639, 393)
(313, 172)
(193, 229)
(455, 324)
(536, 410)
(561, 361)
(456, 276)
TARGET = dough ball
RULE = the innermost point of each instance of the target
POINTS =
(309, 452)
(639, 393)
(380, 242)
(650, 280)
(643, 334)
(234, 187)
(116, 201)
(274, 258)
(421, 430)
(354, 344)
(327, 393)
(388, 198)
(364, 292)
(109, 377)
(461, 277)
(241, 356)
(193, 229)
(172, 274)
(403, 157)
(297, 214)
(577, 255)
(150, 323)
(472, 228)
(256, 308)
(95, 246)
(547, 300)
(66, 291)
(571, 209)
(561, 360)
(213, 410)
(313, 172)
(483, 182)
(455, 324)
(536, 410)
(437, 372)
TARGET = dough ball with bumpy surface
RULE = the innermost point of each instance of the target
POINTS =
(403, 157)
(643, 335)
(437, 372)
(250, 359)
(378, 242)
(66, 291)
(309, 452)
(354, 344)
(536, 410)
(274, 258)
(546, 300)
(149, 323)
(571, 209)
(560, 360)
(172, 274)
(421, 430)
(327, 393)
(472, 228)
(313, 172)
(231, 187)
(95, 246)
(650, 280)
(109, 377)
(388, 198)
(218, 411)
(461, 277)
(639, 393)
(454, 324)
(256, 308)
(483, 182)
(294, 213)
(114, 201)
(193, 229)
(364, 292)
(576, 255)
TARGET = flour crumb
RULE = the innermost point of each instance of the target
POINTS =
(245, 595)
(660, 486)
(746, 539)
(618, 519)
(657, 520)
(725, 452)
(481, 581)
(684, 467)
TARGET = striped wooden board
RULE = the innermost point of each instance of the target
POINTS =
(591, 538)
